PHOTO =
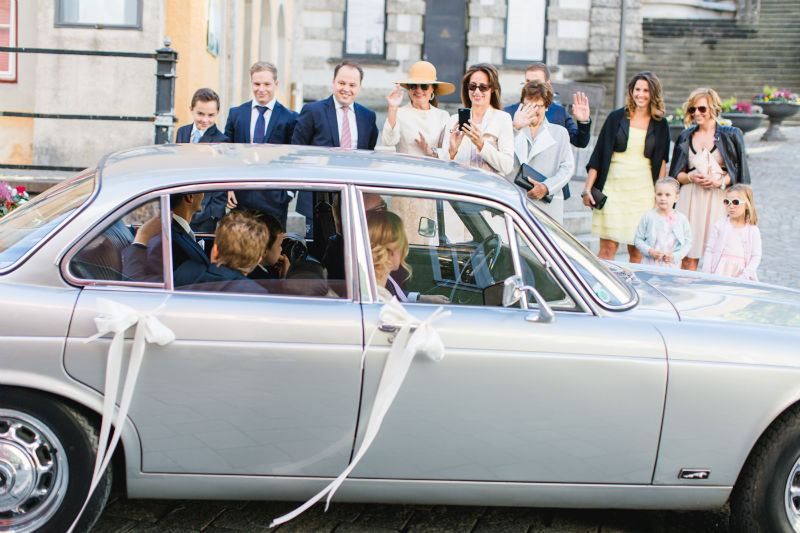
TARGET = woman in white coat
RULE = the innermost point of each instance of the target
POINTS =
(487, 141)
(544, 147)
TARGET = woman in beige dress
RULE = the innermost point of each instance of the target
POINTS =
(707, 158)
(418, 127)
(487, 141)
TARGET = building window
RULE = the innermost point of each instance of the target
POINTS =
(365, 28)
(525, 30)
(8, 37)
(99, 13)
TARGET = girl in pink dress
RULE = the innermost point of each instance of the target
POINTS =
(734, 246)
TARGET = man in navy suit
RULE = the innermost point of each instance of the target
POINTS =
(579, 134)
(262, 120)
(205, 108)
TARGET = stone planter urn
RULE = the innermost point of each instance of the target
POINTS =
(675, 130)
(777, 113)
(744, 121)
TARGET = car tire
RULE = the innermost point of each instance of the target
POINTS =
(47, 453)
(766, 497)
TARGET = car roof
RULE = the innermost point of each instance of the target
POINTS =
(151, 167)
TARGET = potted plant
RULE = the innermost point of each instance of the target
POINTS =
(778, 105)
(676, 125)
(743, 115)
(11, 197)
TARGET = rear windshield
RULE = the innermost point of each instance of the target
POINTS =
(22, 229)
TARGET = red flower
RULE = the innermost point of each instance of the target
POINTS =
(8, 204)
(20, 190)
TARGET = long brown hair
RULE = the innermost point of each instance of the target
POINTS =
(386, 229)
(657, 109)
(494, 83)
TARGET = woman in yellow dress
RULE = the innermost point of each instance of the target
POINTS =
(630, 156)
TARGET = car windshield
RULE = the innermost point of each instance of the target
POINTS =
(27, 225)
(606, 287)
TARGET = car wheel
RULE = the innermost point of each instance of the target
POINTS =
(47, 452)
(766, 497)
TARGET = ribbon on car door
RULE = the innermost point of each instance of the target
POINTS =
(116, 318)
(424, 339)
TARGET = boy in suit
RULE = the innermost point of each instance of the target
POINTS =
(262, 120)
(238, 244)
(205, 108)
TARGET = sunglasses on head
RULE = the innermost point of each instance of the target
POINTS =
(735, 202)
(480, 86)
(413, 86)
(700, 108)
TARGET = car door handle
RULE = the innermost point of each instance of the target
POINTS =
(389, 328)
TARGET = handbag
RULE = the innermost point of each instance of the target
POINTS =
(521, 179)
(598, 197)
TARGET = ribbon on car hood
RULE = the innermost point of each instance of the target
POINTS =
(116, 318)
(406, 345)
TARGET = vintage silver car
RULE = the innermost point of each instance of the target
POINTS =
(603, 386)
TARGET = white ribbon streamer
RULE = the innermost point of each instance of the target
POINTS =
(117, 318)
(424, 340)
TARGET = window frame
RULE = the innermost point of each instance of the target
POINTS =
(10, 75)
(355, 55)
(60, 23)
(545, 29)
(167, 284)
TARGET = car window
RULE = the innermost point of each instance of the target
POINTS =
(22, 229)
(112, 255)
(537, 275)
(458, 252)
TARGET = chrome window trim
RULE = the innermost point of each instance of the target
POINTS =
(564, 277)
(366, 276)
(512, 244)
(24, 257)
(166, 228)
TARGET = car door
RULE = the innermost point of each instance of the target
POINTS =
(578, 400)
(258, 384)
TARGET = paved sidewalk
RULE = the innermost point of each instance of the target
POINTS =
(775, 170)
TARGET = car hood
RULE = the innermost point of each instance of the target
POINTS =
(707, 297)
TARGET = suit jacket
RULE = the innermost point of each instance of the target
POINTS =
(212, 135)
(579, 134)
(317, 125)
(195, 275)
(279, 130)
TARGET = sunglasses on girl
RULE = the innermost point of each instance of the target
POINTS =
(735, 202)
(700, 108)
(481, 86)
(413, 86)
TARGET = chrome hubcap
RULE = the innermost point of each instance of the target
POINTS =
(793, 496)
(33, 472)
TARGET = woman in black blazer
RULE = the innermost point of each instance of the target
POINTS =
(630, 155)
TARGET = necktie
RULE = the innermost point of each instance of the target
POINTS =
(196, 135)
(261, 125)
(346, 141)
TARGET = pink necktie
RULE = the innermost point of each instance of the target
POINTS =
(346, 141)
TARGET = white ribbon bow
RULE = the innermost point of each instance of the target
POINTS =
(424, 340)
(117, 318)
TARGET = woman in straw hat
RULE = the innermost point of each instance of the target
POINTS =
(417, 128)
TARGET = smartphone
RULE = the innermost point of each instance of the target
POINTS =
(464, 114)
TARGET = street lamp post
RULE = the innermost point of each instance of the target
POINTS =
(619, 92)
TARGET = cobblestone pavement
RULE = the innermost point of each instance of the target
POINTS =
(776, 183)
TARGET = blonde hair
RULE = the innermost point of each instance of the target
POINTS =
(750, 213)
(657, 109)
(711, 96)
(261, 66)
(240, 240)
(385, 230)
(666, 180)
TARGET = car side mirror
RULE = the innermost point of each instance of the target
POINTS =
(514, 290)
(427, 227)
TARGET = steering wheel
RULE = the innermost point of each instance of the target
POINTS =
(491, 246)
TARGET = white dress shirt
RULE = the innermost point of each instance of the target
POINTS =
(351, 115)
(254, 116)
(185, 225)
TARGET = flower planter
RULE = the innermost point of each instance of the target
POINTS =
(777, 113)
(745, 121)
(675, 130)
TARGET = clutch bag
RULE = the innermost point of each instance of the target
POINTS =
(521, 179)
(598, 197)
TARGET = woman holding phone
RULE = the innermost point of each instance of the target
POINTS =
(486, 140)
(418, 127)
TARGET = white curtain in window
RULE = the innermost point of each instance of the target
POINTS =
(365, 27)
(525, 30)
(105, 12)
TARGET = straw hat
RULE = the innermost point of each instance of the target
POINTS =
(424, 72)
